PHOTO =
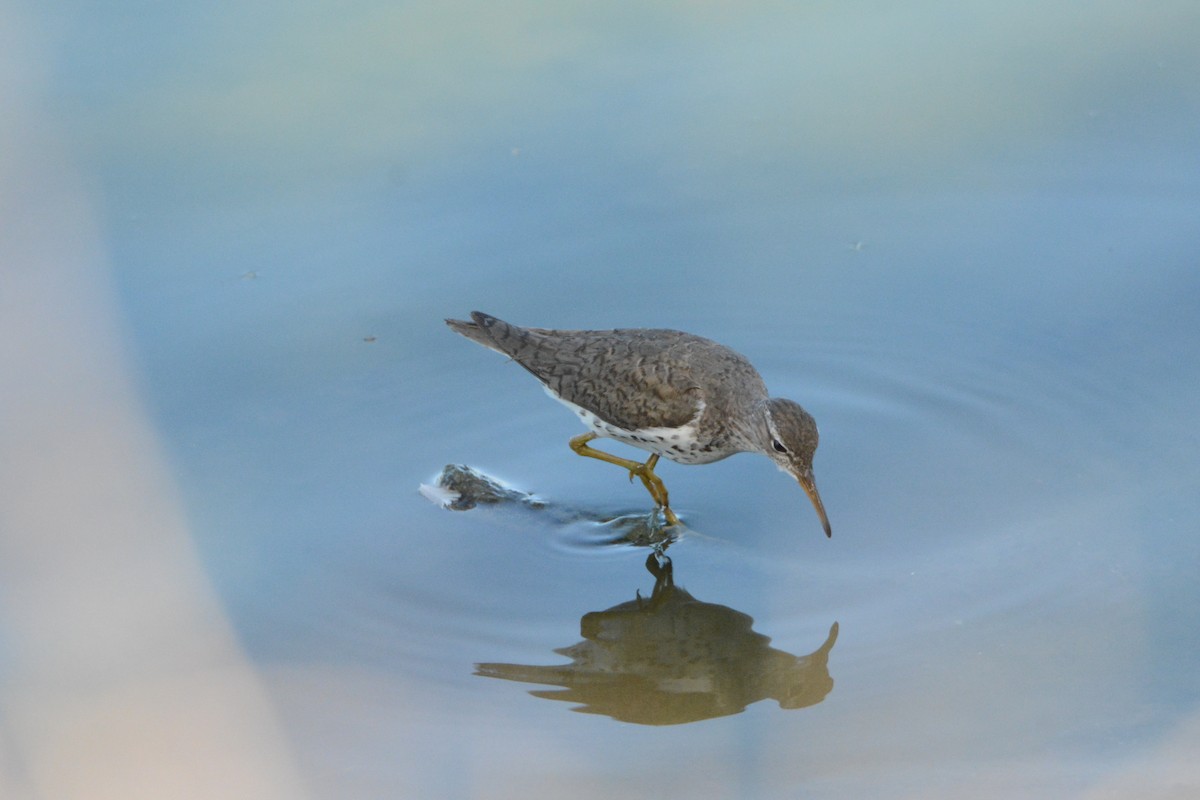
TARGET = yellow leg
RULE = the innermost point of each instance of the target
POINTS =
(652, 482)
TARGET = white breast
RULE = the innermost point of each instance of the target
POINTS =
(678, 444)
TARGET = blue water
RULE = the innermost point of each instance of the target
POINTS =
(964, 237)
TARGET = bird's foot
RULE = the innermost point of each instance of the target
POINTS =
(654, 486)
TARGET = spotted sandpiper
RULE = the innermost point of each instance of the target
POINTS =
(677, 395)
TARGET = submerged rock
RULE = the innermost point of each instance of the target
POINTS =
(460, 488)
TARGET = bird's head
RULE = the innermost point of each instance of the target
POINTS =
(791, 445)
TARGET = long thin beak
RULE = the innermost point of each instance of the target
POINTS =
(809, 483)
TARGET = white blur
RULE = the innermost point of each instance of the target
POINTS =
(119, 676)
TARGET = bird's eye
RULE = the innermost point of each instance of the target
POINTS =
(778, 445)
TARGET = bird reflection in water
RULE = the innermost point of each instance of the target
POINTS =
(670, 659)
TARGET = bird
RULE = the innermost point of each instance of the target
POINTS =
(674, 394)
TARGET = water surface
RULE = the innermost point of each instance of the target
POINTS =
(964, 237)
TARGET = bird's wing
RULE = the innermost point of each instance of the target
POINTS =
(633, 379)
(630, 378)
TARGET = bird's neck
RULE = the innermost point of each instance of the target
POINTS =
(752, 430)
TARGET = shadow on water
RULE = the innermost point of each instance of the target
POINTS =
(663, 660)
(671, 659)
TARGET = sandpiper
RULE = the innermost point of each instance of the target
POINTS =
(676, 395)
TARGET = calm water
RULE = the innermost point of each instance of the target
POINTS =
(964, 236)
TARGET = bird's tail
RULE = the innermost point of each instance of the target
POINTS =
(494, 334)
